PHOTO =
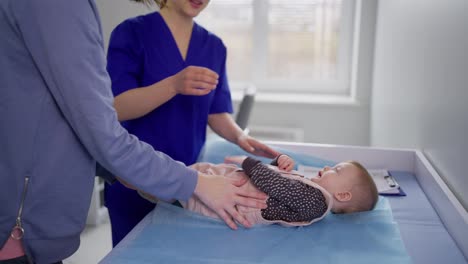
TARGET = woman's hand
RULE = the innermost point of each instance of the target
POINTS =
(140, 101)
(255, 147)
(222, 194)
(285, 163)
(193, 80)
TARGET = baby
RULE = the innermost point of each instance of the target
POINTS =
(292, 199)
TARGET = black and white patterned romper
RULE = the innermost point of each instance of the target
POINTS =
(289, 200)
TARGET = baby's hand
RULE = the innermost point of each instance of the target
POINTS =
(235, 159)
(285, 163)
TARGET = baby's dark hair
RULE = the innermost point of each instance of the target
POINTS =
(364, 191)
(160, 3)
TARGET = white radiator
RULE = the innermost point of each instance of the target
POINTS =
(270, 133)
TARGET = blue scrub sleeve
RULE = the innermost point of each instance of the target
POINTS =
(222, 98)
(123, 58)
(65, 40)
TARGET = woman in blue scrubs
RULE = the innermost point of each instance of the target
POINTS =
(169, 81)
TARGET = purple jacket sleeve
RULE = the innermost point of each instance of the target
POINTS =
(65, 41)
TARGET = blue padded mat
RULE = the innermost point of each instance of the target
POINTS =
(170, 234)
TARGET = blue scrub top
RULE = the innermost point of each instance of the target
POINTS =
(142, 51)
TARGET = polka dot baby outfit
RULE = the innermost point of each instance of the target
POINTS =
(289, 200)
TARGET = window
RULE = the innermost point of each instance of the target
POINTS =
(294, 46)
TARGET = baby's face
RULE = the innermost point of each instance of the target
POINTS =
(338, 178)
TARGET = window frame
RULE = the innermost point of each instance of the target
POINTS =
(346, 58)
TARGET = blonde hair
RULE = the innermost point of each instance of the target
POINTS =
(161, 3)
(364, 192)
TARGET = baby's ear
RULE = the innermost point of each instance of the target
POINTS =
(343, 196)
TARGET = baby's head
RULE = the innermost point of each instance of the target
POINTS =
(351, 186)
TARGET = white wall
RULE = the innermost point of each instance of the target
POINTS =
(421, 83)
(113, 12)
(322, 122)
